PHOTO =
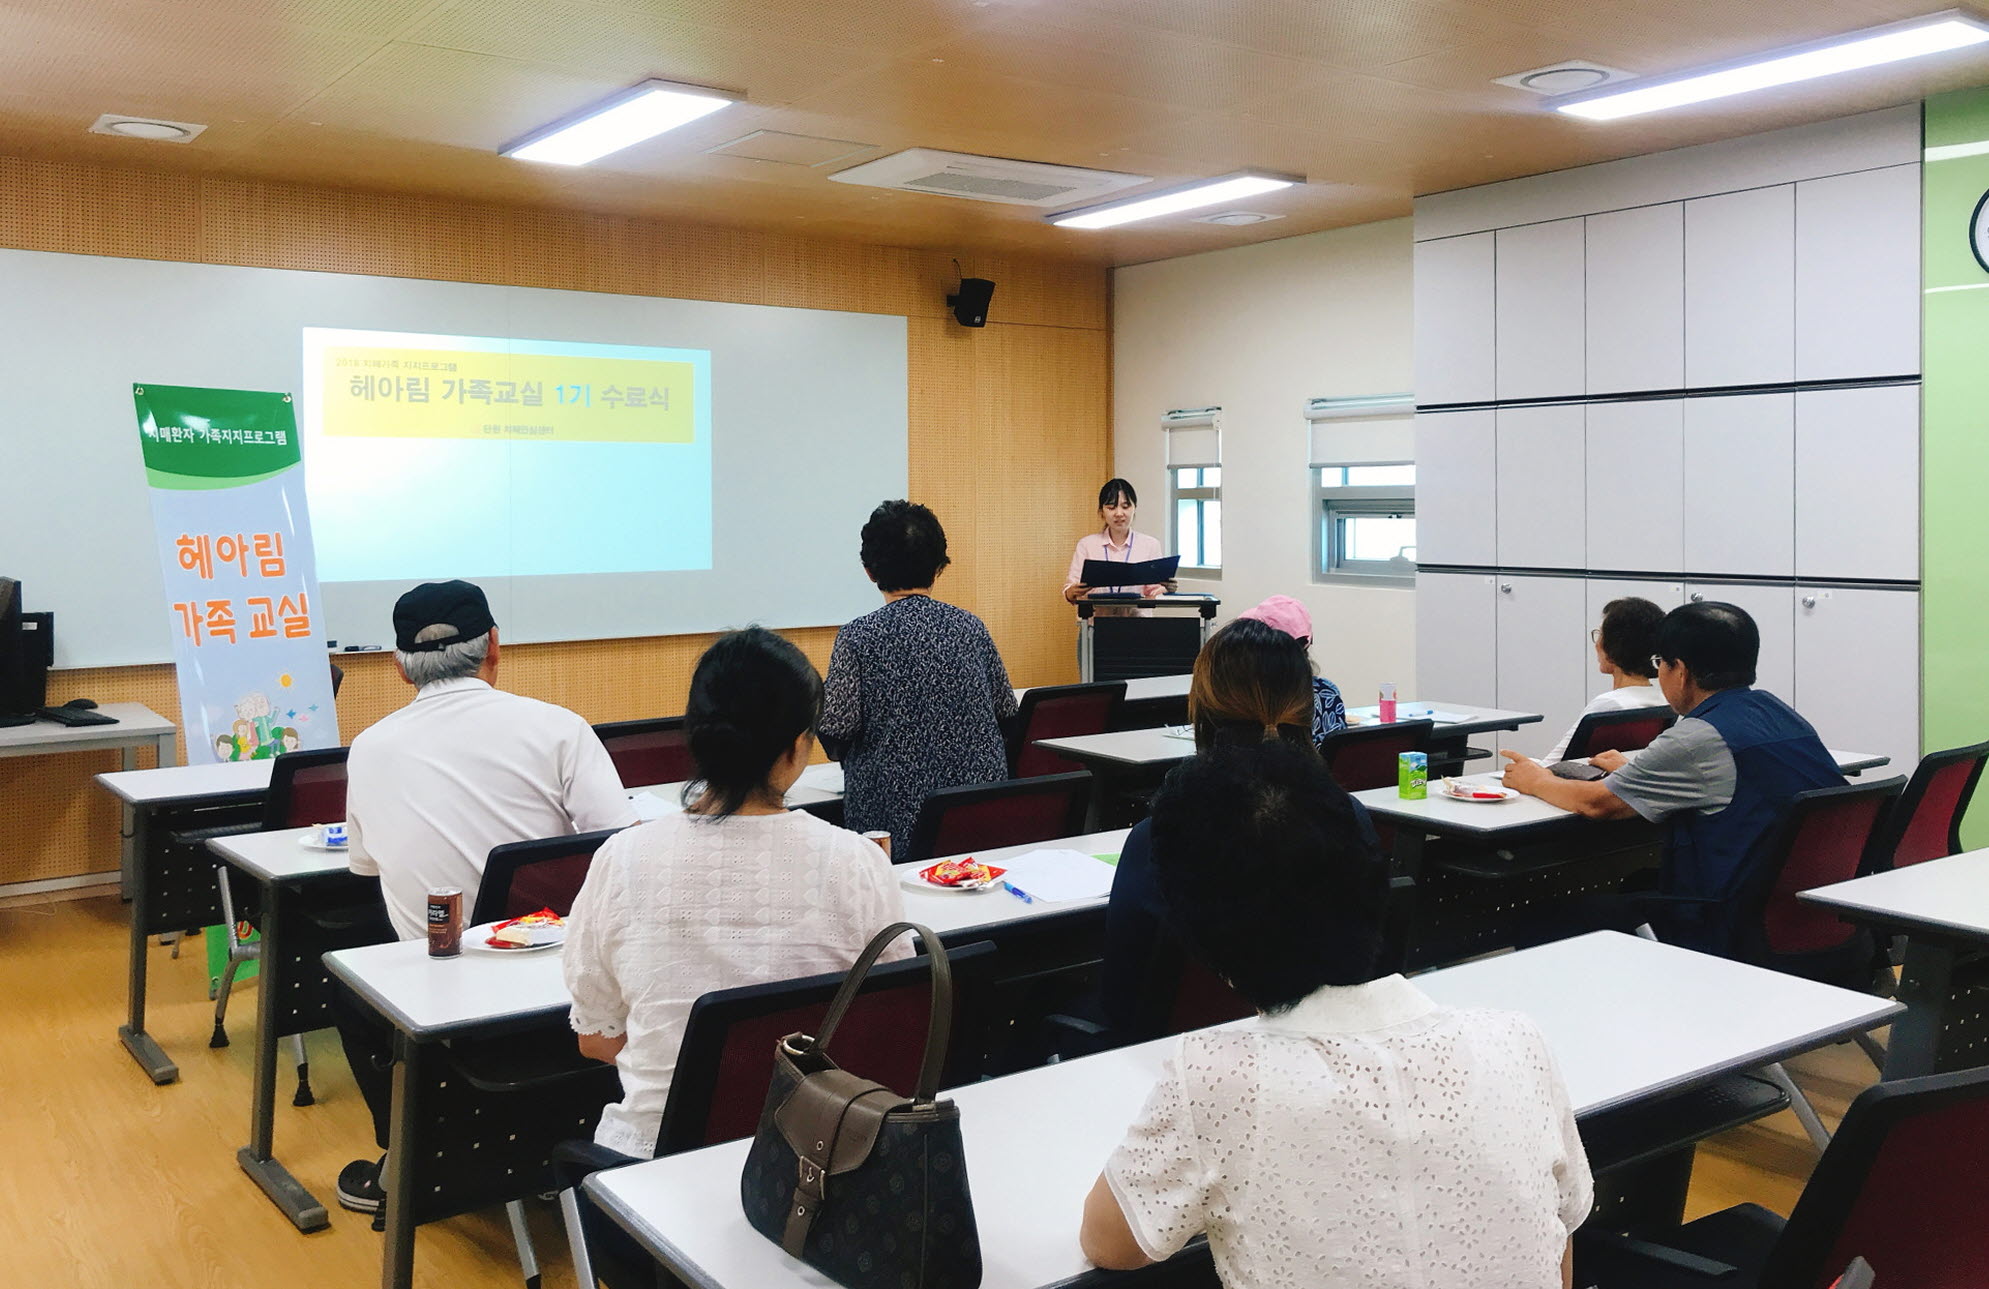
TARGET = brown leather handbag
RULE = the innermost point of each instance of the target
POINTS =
(865, 1185)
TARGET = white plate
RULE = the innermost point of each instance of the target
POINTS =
(308, 844)
(477, 939)
(1505, 794)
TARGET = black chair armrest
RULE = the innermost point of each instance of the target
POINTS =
(497, 1065)
(577, 1159)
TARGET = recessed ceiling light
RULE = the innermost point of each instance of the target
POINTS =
(1933, 34)
(1236, 218)
(628, 118)
(1194, 196)
(1567, 77)
(142, 127)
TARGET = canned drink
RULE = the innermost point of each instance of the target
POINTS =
(1412, 776)
(445, 922)
(883, 840)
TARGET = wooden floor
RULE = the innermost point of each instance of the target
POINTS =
(113, 1182)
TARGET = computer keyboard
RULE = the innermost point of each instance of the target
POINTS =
(75, 716)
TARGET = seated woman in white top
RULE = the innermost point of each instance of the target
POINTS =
(737, 890)
(1356, 1134)
(1623, 644)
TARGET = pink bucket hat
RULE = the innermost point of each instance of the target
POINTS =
(1286, 614)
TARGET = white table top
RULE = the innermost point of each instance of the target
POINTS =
(1627, 1019)
(279, 856)
(1477, 720)
(1941, 895)
(817, 784)
(1145, 688)
(949, 912)
(186, 783)
(1442, 814)
(136, 723)
(1125, 747)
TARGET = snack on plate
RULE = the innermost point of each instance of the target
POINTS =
(961, 872)
(527, 931)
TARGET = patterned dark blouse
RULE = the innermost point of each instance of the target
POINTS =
(917, 692)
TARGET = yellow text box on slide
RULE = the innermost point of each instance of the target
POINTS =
(455, 394)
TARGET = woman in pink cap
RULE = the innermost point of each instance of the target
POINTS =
(1329, 713)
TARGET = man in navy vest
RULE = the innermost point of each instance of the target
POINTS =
(1720, 780)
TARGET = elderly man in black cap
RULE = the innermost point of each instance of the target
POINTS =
(433, 787)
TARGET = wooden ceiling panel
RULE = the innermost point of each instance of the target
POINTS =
(889, 28)
(445, 96)
(165, 59)
(1373, 100)
(617, 44)
(1074, 49)
(976, 110)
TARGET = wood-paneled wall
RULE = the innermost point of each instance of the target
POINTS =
(1010, 425)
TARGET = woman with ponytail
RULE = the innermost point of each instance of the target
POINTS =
(1252, 684)
(737, 890)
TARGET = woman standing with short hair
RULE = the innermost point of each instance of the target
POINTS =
(916, 690)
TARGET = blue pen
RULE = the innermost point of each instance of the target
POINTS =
(1018, 893)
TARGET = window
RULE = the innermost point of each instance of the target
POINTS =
(1197, 494)
(1194, 488)
(1366, 516)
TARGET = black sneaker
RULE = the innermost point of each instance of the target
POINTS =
(359, 1186)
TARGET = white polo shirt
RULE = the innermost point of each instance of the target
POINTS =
(461, 769)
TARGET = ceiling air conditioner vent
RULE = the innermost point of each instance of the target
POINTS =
(998, 179)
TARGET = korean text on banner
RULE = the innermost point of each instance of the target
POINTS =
(227, 481)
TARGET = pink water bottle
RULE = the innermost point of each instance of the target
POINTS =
(1387, 703)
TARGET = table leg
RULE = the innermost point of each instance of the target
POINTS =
(169, 750)
(258, 1159)
(1407, 854)
(1924, 986)
(143, 1048)
(127, 850)
(397, 1258)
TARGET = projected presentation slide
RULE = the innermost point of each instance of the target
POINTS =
(504, 457)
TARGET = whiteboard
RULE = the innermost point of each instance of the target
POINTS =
(808, 415)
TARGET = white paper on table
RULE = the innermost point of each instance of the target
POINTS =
(1178, 731)
(649, 806)
(826, 777)
(1432, 714)
(1054, 876)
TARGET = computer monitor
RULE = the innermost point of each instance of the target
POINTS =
(24, 657)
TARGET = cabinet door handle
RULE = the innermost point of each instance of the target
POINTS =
(1809, 601)
(1505, 588)
(1697, 598)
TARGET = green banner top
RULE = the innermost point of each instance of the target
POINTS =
(214, 438)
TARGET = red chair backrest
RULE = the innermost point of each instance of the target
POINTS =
(1898, 1192)
(959, 821)
(1368, 756)
(551, 883)
(1201, 999)
(1826, 840)
(1064, 711)
(1933, 804)
(647, 753)
(306, 788)
(1629, 731)
(523, 877)
(879, 1038)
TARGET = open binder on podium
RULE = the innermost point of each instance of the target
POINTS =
(1113, 573)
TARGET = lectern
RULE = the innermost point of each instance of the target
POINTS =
(1161, 641)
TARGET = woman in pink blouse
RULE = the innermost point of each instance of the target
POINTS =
(1115, 541)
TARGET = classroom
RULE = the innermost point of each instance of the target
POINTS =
(961, 643)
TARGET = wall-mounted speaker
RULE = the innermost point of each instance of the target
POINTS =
(970, 302)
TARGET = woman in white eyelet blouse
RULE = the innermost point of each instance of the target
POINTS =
(1358, 1136)
(735, 891)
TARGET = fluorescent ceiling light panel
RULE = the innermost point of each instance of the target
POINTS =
(1207, 192)
(1934, 34)
(1952, 151)
(626, 119)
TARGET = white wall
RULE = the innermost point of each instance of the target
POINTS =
(1258, 330)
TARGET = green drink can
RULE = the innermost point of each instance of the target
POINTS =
(1413, 775)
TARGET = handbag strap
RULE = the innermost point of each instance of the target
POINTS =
(939, 1020)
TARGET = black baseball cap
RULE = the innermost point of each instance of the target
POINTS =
(454, 604)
